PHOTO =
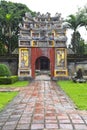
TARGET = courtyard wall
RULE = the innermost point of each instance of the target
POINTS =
(74, 62)
(11, 61)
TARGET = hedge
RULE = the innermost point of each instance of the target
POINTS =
(8, 80)
(4, 70)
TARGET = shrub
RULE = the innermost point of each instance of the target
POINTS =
(8, 80)
(4, 70)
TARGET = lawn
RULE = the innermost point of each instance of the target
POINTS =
(76, 91)
(16, 84)
(5, 98)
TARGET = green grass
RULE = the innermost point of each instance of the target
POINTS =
(76, 91)
(5, 98)
(16, 84)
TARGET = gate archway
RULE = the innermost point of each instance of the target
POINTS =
(42, 63)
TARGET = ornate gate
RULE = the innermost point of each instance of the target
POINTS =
(42, 45)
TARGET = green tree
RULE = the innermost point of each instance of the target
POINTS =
(74, 22)
(83, 11)
(85, 47)
(75, 41)
(10, 16)
(3, 49)
(81, 49)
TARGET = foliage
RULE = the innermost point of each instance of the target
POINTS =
(81, 49)
(85, 47)
(10, 16)
(3, 49)
(83, 11)
(74, 22)
(8, 80)
(76, 91)
(4, 70)
(78, 45)
(5, 98)
(75, 41)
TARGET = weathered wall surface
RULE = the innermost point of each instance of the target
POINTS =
(73, 67)
(11, 62)
(73, 62)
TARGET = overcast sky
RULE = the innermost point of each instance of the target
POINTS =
(65, 7)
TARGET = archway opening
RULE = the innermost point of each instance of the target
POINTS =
(42, 63)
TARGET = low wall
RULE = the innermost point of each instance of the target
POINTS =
(11, 61)
(74, 62)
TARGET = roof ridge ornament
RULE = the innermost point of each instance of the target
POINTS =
(28, 14)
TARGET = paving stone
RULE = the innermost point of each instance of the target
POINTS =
(26, 115)
(66, 126)
(50, 117)
(9, 127)
(62, 116)
(11, 123)
(37, 126)
(51, 129)
(1, 124)
(64, 121)
(51, 121)
(13, 119)
(38, 117)
(51, 126)
(77, 121)
(50, 114)
(85, 120)
(80, 127)
(37, 111)
(38, 121)
(3, 119)
(17, 116)
(24, 121)
(22, 127)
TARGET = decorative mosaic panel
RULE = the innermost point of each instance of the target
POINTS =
(24, 58)
(60, 57)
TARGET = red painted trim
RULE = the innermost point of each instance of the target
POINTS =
(39, 52)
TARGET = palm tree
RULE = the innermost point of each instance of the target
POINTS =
(74, 22)
(84, 13)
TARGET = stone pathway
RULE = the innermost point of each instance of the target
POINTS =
(43, 77)
(42, 106)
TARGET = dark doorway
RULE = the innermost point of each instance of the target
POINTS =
(42, 63)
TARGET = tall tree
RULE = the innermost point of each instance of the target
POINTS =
(10, 16)
(83, 11)
(75, 41)
(82, 47)
(85, 46)
(74, 22)
(7, 31)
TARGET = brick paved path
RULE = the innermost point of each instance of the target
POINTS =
(42, 106)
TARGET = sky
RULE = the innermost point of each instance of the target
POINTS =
(65, 7)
